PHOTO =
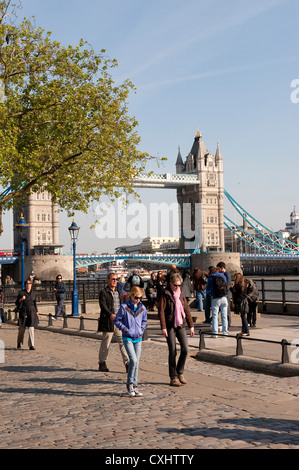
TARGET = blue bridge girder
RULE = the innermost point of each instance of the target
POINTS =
(180, 260)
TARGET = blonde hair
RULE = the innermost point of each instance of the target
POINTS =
(136, 291)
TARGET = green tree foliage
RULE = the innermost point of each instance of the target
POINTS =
(64, 124)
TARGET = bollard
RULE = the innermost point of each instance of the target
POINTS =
(9, 315)
(284, 352)
(81, 327)
(16, 315)
(64, 322)
(201, 340)
(50, 321)
(239, 351)
(145, 336)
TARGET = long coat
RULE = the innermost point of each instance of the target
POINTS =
(27, 309)
(167, 307)
(105, 322)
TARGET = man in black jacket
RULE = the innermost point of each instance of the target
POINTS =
(60, 290)
(110, 300)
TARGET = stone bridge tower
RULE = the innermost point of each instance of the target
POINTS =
(201, 206)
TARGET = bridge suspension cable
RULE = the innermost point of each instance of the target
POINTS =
(262, 238)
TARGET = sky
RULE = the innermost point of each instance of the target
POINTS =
(228, 68)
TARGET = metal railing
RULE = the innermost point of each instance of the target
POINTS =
(239, 347)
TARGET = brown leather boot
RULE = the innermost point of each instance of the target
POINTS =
(175, 382)
(103, 367)
(182, 379)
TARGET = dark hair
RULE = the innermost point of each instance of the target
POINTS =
(221, 264)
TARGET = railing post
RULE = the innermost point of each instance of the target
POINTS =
(81, 327)
(283, 291)
(84, 298)
(201, 340)
(239, 349)
(64, 322)
(284, 352)
(263, 295)
(50, 322)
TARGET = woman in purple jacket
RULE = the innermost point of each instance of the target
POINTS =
(131, 319)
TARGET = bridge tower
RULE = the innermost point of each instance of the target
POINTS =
(42, 216)
(201, 206)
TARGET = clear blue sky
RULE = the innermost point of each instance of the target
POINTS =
(225, 67)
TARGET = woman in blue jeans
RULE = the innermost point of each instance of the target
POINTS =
(131, 319)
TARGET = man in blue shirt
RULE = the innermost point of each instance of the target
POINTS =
(218, 290)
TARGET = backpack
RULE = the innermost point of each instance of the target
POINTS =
(135, 280)
(219, 286)
(252, 291)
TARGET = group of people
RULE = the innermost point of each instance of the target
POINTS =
(126, 320)
(216, 288)
(124, 316)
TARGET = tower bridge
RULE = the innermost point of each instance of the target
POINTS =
(198, 182)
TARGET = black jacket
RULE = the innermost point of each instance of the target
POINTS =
(27, 309)
(60, 290)
(105, 323)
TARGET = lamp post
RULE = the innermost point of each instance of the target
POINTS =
(74, 232)
(21, 227)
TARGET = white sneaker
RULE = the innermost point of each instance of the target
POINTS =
(138, 393)
(131, 390)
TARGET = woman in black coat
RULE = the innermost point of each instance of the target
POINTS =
(240, 301)
(28, 314)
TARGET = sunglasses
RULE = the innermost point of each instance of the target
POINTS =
(114, 279)
(177, 285)
(28, 282)
(137, 298)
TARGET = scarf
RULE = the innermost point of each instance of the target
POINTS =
(179, 313)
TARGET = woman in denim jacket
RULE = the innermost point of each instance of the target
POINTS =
(131, 319)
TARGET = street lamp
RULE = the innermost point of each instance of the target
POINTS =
(21, 227)
(74, 232)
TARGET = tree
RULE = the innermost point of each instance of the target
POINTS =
(64, 124)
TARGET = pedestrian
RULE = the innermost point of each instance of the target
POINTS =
(1, 306)
(252, 298)
(240, 301)
(151, 292)
(121, 283)
(217, 287)
(173, 269)
(110, 300)
(131, 320)
(60, 291)
(199, 284)
(174, 314)
(222, 269)
(135, 280)
(28, 314)
(208, 299)
(187, 286)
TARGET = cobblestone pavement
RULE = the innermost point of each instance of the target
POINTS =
(55, 398)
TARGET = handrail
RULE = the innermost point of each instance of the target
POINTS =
(239, 349)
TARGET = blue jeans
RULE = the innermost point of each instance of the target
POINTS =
(60, 309)
(219, 304)
(133, 351)
(200, 295)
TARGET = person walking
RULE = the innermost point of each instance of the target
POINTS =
(131, 320)
(28, 314)
(110, 299)
(199, 285)
(151, 292)
(60, 291)
(208, 299)
(217, 287)
(1, 306)
(252, 298)
(174, 314)
(222, 269)
(187, 286)
(240, 301)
